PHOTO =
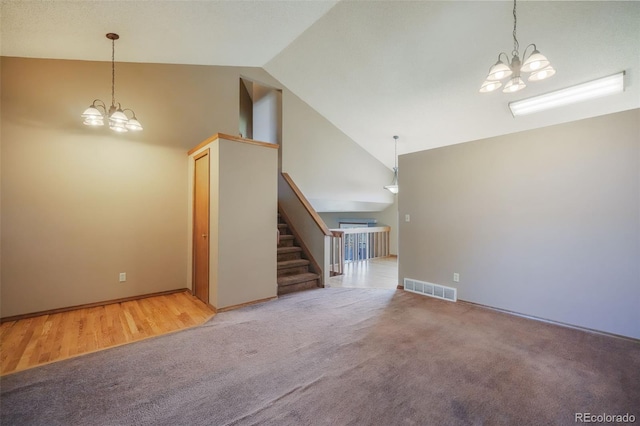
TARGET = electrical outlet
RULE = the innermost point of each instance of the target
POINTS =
(456, 277)
(123, 277)
(407, 218)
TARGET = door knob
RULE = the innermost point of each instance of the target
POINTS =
(204, 235)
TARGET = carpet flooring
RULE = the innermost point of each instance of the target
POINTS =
(339, 356)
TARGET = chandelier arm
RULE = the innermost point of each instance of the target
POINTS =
(524, 54)
(506, 57)
(516, 45)
(101, 104)
(132, 112)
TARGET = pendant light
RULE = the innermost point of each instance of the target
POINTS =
(97, 111)
(536, 64)
(393, 187)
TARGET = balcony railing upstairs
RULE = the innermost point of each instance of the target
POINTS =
(356, 244)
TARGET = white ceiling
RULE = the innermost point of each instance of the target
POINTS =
(373, 68)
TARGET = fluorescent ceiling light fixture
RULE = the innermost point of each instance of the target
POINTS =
(581, 92)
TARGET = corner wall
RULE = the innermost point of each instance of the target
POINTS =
(544, 222)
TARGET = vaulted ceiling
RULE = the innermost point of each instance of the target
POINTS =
(372, 68)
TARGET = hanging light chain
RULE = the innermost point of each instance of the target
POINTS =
(516, 45)
(113, 72)
(396, 151)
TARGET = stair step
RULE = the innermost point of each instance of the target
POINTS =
(293, 267)
(307, 285)
(283, 228)
(292, 263)
(285, 241)
(289, 253)
(294, 249)
(295, 279)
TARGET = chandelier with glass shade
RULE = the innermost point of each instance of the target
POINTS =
(535, 63)
(97, 112)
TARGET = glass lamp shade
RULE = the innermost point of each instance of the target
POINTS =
(499, 71)
(93, 121)
(392, 188)
(91, 112)
(117, 127)
(514, 85)
(542, 74)
(535, 62)
(133, 125)
(490, 86)
(118, 117)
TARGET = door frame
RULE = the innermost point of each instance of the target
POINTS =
(196, 157)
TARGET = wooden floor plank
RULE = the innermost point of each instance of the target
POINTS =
(40, 340)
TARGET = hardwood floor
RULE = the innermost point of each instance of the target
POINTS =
(375, 273)
(40, 340)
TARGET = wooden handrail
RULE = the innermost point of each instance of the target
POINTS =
(303, 200)
(368, 230)
(231, 138)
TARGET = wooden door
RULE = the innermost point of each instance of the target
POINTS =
(201, 227)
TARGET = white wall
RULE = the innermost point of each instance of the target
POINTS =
(544, 222)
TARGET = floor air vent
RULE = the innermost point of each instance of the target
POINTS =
(432, 290)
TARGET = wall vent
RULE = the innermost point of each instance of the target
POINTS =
(432, 290)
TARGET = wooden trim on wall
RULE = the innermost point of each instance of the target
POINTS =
(318, 220)
(305, 249)
(231, 138)
(242, 305)
(92, 305)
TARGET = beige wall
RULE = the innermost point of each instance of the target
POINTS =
(242, 224)
(79, 204)
(544, 222)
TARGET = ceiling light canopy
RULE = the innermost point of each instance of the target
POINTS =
(593, 89)
(97, 111)
(393, 187)
(535, 63)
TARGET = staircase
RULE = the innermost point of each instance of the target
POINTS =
(293, 268)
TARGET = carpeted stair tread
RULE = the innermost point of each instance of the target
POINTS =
(295, 279)
(294, 249)
(292, 263)
(286, 237)
(282, 226)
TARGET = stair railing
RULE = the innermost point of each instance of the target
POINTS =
(358, 244)
(337, 252)
(316, 238)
